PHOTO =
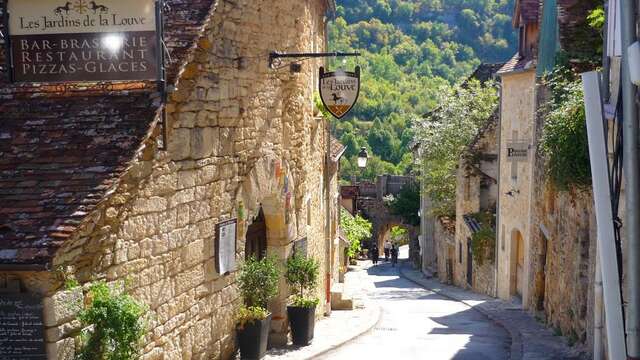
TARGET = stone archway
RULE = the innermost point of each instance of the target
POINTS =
(516, 264)
(267, 189)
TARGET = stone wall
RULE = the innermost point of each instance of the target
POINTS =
(240, 136)
(563, 250)
(446, 252)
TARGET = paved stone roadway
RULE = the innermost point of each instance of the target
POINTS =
(420, 324)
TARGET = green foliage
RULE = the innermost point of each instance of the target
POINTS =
(399, 235)
(249, 314)
(300, 301)
(483, 242)
(356, 229)
(407, 204)
(302, 276)
(258, 281)
(410, 50)
(596, 18)
(444, 135)
(564, 139)
(115, 325)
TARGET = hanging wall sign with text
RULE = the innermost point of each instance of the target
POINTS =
(80, 40)
(339, 90)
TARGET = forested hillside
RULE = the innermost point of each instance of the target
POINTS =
(411, 50)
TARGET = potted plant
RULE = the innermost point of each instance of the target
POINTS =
(258, 283)
(302, 276)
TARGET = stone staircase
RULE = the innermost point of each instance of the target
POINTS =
(339, 299)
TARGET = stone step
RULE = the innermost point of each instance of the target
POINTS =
(340, 300)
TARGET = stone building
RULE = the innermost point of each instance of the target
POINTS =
(546, 237)
(90, 188)
(477, 192)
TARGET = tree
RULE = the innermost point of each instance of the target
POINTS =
(407, 204)
(357, 229)
(444, 134)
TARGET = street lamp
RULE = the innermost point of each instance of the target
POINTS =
(363, 158)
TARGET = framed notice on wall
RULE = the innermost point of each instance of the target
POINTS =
(225, 243)
(80, 40)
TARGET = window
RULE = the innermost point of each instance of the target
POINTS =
(460, 253)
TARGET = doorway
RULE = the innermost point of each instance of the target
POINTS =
(256, 239)
(517, 263)
(469, 263)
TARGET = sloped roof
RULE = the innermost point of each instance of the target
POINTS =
(516, 64)
(337, 149)
(60, 152)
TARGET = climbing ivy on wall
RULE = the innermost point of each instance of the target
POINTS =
(483, 242)
(564, 139)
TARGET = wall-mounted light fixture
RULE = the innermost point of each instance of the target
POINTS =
(512, 192)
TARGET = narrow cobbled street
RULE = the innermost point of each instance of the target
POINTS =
(417, 324)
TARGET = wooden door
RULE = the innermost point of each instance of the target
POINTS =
(256, 239)
(519, 264)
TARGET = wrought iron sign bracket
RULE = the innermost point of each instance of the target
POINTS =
(275, 57)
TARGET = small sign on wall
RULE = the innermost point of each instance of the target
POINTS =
(300, 247)
(21, 327)
(225, 243)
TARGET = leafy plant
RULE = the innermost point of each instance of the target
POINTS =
(114, 323)
(445, 133)
(357, 229)
(258, 281)
(596, 18)
(483, 241)
(564, 140)
(302, 276)
(407, 204)
(249, 314)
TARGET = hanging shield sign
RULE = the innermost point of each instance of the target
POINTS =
(339, 90)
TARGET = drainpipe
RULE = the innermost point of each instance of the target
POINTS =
(632, 184)
(598, 349)
(498, 231)
(328, 217)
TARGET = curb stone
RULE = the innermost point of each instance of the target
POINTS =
(377, 318)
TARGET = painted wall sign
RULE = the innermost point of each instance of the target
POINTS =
(225, 243)
(339, 90)
(21, 327)
(80, 40)
(517, 152)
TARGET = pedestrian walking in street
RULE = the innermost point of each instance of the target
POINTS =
(394, 255)
(375, 254)
(387, 249)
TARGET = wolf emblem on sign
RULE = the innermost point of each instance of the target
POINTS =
(339, 90)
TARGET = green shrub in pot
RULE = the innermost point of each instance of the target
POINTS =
(302, 276)
(258, 283)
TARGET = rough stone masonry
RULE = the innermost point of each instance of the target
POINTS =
(100, 200)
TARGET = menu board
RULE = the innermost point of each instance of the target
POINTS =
(21, 327)
(226, 233)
